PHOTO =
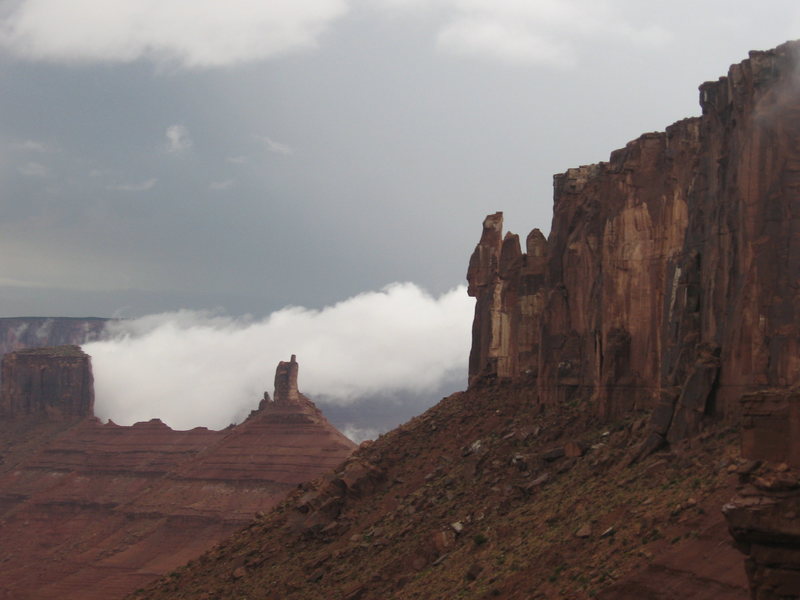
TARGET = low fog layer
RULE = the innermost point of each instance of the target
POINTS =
(192, 368)
(376, 414)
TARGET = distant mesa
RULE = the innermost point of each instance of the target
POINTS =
(54, 383)
(122, 493)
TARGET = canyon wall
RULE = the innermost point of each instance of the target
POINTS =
(670, 280)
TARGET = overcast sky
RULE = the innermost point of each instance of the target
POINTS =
(247, 155)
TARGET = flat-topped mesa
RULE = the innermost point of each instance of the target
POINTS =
(123, 492)
(53, 382)
(286, 383)
(669, 280)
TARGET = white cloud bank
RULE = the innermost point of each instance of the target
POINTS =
(191, 33)
(198, 369)
(543, 32)
(210, 33)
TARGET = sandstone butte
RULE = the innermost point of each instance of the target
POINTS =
(91, 510)
(629, 375)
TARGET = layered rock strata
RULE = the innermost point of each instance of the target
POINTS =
(670, 280)
(91, 510)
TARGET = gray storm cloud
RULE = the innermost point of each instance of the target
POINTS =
(194, 34)
(193, 368)
(214, 34)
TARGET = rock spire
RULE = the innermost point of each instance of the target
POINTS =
(286, 382)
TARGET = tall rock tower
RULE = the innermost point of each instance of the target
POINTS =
(286, 382)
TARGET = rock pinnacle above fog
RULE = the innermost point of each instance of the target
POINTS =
(286, 382)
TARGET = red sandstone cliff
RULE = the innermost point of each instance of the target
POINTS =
(671, 277)
(671, 282)
(91, 510)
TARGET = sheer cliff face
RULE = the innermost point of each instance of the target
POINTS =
(670, 280)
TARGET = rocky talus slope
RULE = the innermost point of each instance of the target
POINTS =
(482, 497)
(629, 376)
(91, 510)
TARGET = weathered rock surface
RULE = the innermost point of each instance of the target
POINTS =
(91, 510)
(671, 277)
(47, 382)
